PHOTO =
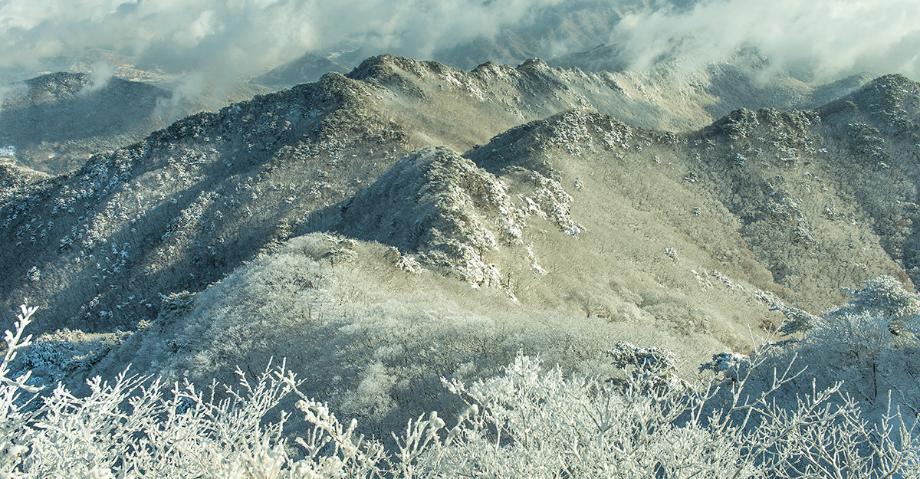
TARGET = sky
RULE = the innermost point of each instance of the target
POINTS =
(224, 40)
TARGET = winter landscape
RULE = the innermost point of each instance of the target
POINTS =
(465, 238)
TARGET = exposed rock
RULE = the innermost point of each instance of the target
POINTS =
(441, 207)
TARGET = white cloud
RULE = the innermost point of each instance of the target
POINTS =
(99, 77)
(830, 37)
(228, 40)
(10, 91)
(242, 38)
(204, 26)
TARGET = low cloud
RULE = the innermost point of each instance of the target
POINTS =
(239, 39)
(222, 42)
(99, 77)
(10, 91)
(188, 94)
(823, 38)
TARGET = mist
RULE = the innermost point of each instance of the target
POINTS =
(238, 39)
(221, 42)
(825, 39)
(99, 77)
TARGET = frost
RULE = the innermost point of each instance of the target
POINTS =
(534, 264)
(528, 421)
(671, 253)
(727, 362)
(551, 202)
(34, 274)
(404, 262)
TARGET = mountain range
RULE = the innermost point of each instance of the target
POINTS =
(410, 220)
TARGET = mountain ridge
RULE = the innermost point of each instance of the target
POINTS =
(479, 213)
(337, 104)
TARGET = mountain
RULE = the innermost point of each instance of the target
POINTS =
(309, 67)
(673, 97)
(14, 176)
(409, 221)
(579, 35)
(54, 122)
(744, 80)
(577, 25)
(548, 30)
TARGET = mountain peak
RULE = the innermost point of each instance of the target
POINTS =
(59, 79)
(535, 64)
(889, 102)
(893, 80)
(889, 91)
(440, 206)
(572, 131)
(743, 122)
(382, 66)
(372, 66)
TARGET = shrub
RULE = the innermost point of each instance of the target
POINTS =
(527, 422)
(870, 343)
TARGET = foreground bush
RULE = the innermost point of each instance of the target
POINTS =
(527, 422)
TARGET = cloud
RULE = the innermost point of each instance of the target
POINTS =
(826, 38)
(242, 38)
(220, 42)
(99, 77)
(9, 92)
(190, 88)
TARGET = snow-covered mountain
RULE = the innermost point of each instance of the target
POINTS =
(476, 212)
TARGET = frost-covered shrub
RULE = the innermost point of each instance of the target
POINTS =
(526, 422)
(869, 343)
(137, 427)
(869, 324)
(53, 357)
(883, 295)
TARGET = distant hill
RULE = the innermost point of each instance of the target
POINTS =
(54, 122)
(308, 68)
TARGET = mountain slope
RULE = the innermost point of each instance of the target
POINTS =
(188, 205)
(185, 206)
(410, 221)
(409, 205)
(574, 232)
(14, 176)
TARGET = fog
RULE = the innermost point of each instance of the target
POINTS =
(218, 42)
(827, 38)
(241, 38)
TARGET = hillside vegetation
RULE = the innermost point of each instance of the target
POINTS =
(409, 225)
(747, 420)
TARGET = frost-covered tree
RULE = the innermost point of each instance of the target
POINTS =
(870, 343)
(529, 421)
